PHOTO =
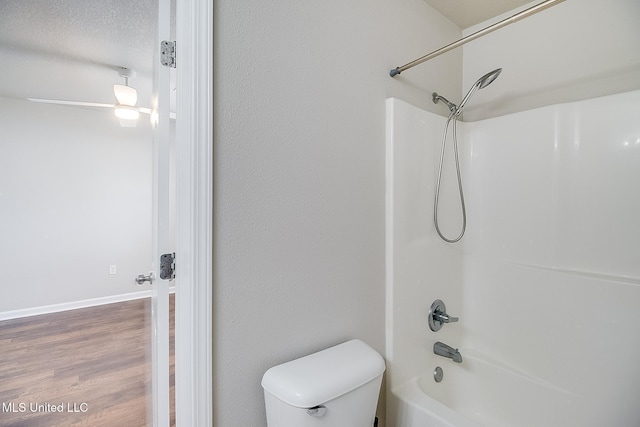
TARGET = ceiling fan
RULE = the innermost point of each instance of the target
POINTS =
(126, 98)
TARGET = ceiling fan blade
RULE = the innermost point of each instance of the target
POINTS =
(76, 103)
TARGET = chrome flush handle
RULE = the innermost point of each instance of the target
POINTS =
(317, 411)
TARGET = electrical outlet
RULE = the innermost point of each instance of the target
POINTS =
(112, 269)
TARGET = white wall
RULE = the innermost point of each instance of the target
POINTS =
(421, 267)
(572, 51)
(551, 273)
(300, 92)
(580, 189)
(75, 198)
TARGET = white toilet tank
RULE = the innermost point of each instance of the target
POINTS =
(336, 387)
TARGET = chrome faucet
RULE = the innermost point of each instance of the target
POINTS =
(441, 349)
(438, 316)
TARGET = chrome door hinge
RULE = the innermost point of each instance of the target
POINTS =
(168, 54)
(168, 266)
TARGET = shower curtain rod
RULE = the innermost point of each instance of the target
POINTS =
(518, 16)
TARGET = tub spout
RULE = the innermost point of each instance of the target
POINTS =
(441, 349)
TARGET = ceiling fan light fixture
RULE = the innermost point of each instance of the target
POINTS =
(125, 95)
(126, 112)
(124, 123)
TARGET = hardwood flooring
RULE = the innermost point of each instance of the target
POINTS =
(86, 367)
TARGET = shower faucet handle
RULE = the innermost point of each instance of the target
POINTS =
(438, 316)
(445, 318)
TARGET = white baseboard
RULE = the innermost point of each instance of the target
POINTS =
(74, 305)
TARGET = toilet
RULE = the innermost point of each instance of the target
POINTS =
(336, 387)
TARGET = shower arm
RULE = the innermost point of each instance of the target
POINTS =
(518, 16)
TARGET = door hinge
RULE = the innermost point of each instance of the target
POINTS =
(168, 54)
(168, 266)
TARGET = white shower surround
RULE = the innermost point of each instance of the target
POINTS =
(546, 281)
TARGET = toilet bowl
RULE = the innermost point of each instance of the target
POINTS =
(336, 387)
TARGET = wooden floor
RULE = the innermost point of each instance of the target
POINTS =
(86, 367)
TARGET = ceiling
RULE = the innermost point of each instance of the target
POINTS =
(72, 49)
(466, 13)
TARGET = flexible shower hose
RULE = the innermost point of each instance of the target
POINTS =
(453, 115)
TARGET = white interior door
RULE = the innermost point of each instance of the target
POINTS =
(79, 209)
(163, 242)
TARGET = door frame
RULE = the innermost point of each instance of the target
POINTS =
(194, 213)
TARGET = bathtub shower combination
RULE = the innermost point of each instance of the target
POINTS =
(545, 284)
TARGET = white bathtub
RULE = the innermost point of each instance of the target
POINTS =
(481, 392)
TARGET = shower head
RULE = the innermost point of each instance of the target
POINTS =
(482, 82)
(488, 78)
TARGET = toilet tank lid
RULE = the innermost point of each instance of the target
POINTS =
(320, 377)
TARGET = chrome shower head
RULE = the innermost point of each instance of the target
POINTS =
(488, 78)
(482, 82)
